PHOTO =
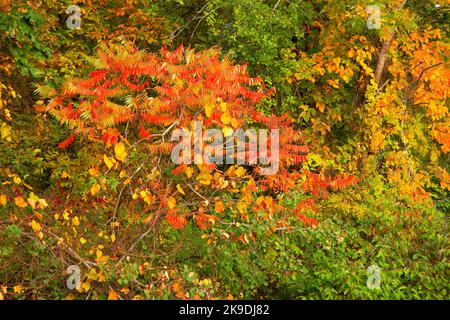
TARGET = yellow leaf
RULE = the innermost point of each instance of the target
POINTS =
(66, 215)
(205, 282)
(120, 151)
(64, 175)
(241, 207)
(171, 202)
(180, 190)
(32, 200)
(122, 174)
(227, 131)
(35, 226)
(17, 180)
(3, 199)
(95, 189)
(86, 286)
(205, 178)
(189, 172)
(20, 202)
(223, 106)
(109, 161)
(334, 83)
(148, 199)
(18, 289)
(209, 108)
(7, 115)
(5, 131)
(113, 295)
(225, 118)
(75, 221)
(42, 204)
(320, 106)
(82, 240)
(240, 171)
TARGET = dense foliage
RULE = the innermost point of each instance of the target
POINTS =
(88, 181)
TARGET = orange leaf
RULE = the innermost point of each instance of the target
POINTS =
(20, 202)
(113, 295)
(219, 207)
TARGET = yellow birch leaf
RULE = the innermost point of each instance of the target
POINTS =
(241, 206)
(5, 131)
(180, 190)
(66, 215)
(120, 151)
(205, 178)
(108, 161)
(35, 226)
(225, 118)
(189, 172)
(171, 202)
(223, 106)
(320, 106)
(240, 171)
(86, 286)
(209, 108)
(3, 199)
(75, 221)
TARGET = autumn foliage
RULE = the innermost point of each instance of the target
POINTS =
(88, 180)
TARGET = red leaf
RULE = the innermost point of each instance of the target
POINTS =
(66, 143)
(143, 134)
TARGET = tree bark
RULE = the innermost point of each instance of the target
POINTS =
(382, 54)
